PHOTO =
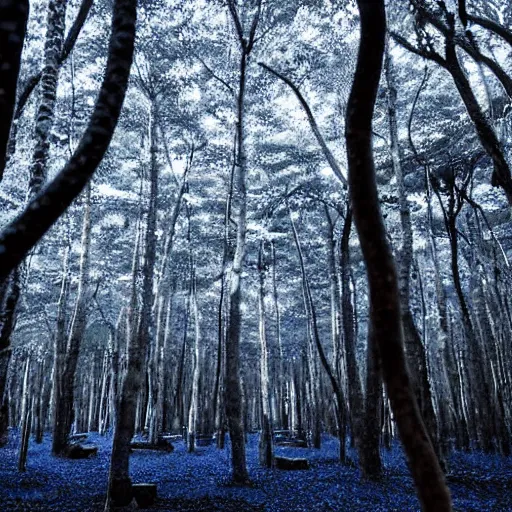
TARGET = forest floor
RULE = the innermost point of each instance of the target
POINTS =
(200, 481)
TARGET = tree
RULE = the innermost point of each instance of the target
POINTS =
(233, 398)
(413, 345)
(382, 278)
(120, 488)
(501, 176)
(54, 62)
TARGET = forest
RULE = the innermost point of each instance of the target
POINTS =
(255, 254)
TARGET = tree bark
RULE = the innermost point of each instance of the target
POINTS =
(193, 416)
(46, 110)
(26, 419)
(282, 406)
(7, 323)
(233, 392)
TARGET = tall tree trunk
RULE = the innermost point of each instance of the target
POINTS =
(219, 408)
(265, 442)
(382, 278)
(11, 292)
(315, 335)
(32, 82)
(120, 486)
(193, 416)
(477, 376)
(371, 463)
(356, 399)
(26, 418)
(233, 392)
(414, 347)
(46, 110)
(447, 367)
(64, 414)
(282, 401)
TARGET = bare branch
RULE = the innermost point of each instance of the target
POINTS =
(238, 25)
(314, 127)
(422, 52)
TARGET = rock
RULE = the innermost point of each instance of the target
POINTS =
(144, 494)
(290, 464)
(79, 451)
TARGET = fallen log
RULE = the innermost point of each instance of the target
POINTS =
(77, 438)
(292, 443)
(290, 464)
(162, 445)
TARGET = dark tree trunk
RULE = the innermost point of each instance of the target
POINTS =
(7, 321)
(14, 16)
(383, 282)
(371, 464)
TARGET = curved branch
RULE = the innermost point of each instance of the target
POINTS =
(238, 25)
(467, 44)
(492, 26)
(422, 52)
(41, 213)
(312, 122)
